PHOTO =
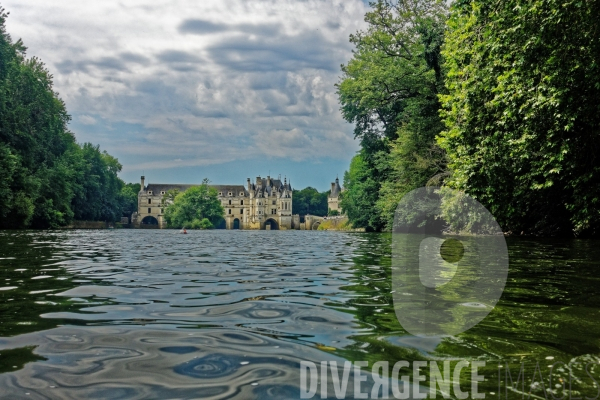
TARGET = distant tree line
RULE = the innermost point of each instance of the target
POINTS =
(500, 100)
(47, 179)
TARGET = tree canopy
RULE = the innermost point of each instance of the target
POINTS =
(523, 112)
(499, 100)
(46, 178)
(389, 91)
(198, 207)
(309, 201)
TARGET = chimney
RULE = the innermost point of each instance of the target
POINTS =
(268, 180)
(332, 187)
(258, 181)
(249, 183)
(143, 179)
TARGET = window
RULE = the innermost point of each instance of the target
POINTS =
(242, 194)
(162, 210)
(229, 194)
(242, 202)
(149, 201)
(149, 211)
(230, 211)
(163, 192)
(274, 202)
(242, 211)
(149, 191)
(229, 202)
(273, 211)
(220, 193)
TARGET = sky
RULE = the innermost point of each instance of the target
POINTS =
(182, 90)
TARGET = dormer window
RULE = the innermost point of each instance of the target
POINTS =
(220, 193)
(229, 194)
(163, 192)
(150, 192)
(242, 194)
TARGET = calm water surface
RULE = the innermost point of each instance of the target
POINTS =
(130, 314)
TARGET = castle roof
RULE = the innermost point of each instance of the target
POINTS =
(269, 187)
(335, 189)
(263, 187)
(234, 189)
(160, 187)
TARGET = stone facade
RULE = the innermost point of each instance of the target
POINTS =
(263, 204)
(333, 199)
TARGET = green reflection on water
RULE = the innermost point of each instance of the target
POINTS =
(14, 359)
(26, 259)
(549, 313)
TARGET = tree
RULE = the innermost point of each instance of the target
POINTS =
(389, 91)
(198, 207)
(129, 199)
(99, 194)
(309, 201)
(46, 178)
(361, 193)
(522, 111)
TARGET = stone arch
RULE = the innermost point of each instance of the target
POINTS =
(315, 225)
(236, 223)
(272, 223)
(150, 220)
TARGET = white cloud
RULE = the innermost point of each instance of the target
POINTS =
(202, 82)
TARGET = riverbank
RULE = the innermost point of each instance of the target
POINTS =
(338, 224)
(96, 225)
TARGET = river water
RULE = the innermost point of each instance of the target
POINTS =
(127, 314)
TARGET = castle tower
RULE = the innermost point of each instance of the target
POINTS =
(333, 199)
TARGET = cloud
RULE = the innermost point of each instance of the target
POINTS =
(283, 53)
(200, 27)
(87, 120)
(168, 83)
(177, 56)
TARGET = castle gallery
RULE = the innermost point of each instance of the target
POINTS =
(263, 204)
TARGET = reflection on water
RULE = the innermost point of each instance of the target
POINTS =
(230, 314)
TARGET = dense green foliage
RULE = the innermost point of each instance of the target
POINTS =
(523, 111)
(309, 201)
(129, 199)
(508, 112)
(389, 90)
(46, 178)
(198, 207)
(360, 197)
